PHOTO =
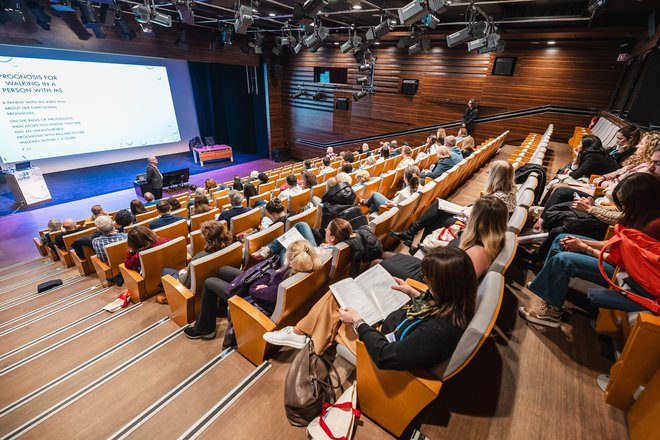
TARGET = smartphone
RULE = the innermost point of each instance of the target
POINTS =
(576, 196)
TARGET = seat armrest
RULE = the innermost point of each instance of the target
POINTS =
(134, 283)
(180, 300)
(419, 286)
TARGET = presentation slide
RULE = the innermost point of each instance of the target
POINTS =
(53, 108)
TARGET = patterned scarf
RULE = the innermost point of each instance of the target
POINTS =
(422, 307)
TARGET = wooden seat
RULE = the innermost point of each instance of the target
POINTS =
(54, 256)
(185, 303)
(394, 398)
(116, 253)
(146, 216)
(318, 190)
(65, 254)
(84, 265)
(369, 188)
(396, 183)
(308, 216)
(265, 197)
(382, 225)
(295, 296)
(143, 286)
(426, 194)
(197, 220)
(266, 187)
(341, 262)
(173, 230)
(144, 223)
(39, 245)
(406, 208)
(243, 222)
(183, 212)
(298, 202)
(256, 241)
(386, 182)
(517, 220)
(150, 207)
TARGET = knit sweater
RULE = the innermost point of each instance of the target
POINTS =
(607, 214)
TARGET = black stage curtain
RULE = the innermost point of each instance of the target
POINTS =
(225, 109)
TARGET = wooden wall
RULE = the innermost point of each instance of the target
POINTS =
(68, 33)
(570, 74)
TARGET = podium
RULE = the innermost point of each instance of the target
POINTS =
(28, 186)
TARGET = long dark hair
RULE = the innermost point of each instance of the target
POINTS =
(216, 235)
(249, 190)
(631, 133)
(591, 143)
(637, 196)
(137, 207)
(451, 278)
(141, 238)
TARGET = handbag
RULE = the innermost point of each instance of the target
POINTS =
(441, 237)
(337, 420)
(308, 385)
(240, 285)
(639, 255)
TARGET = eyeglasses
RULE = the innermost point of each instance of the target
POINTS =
(656, 163)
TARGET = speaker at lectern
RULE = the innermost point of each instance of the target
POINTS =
(27, 185)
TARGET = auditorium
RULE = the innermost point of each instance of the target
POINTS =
(330, 219)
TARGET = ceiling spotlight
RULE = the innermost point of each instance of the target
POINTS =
(42, 19)
(374, 33)
(409, 40)
(277, 51)
(146, 28)
(477, 44)
(438, 6)
(412, 12)
(552, 43)
(272, 14)
(285, 40)
(318, 95)
(430, 21)
(161, 19)
(362, 80)
(315, 40)
(347, 46)
(357, 6)
(298, 47)
(424, 44)
(305, 13)
(142, 13)
(243, 19)
(257, 43)
(359, 95)
(365, 67)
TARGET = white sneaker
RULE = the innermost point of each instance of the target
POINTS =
(286, 337)
(261, 254)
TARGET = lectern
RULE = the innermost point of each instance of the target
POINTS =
(28, 186)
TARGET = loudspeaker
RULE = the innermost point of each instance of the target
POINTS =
(278, 71)
(48, 285)
(342, 104)
(409, 86)
(281, 155)
(504, 66)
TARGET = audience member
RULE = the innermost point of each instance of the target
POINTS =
(164, 208)
(210, 184)
(330, 153)
(199, 192)
(462, 134)
(123, 219)
(254, 176)
(54, 225)
(361, 179)
(108, 235)
(384, 154)
(200, 205)
(309, 180)
(292, 187)
(348, 156)
(467, 146)
(346, 167)
(307, 164)
(97, 211)
(150, 199)
(411, 182)
(137, 207)
(326, 166)
(300, 257)
(237, 208)
(626, 139)
(339, 201)
(370, 160)
(237, 185)
(140, 239)
(392, 146)
(273, 212)
(441, 133)
(263, 178)
(406, 153)
(249, 190)
(444, 163)
(69, 226)
(454, 151)
(419, 336)
(365, 148)
(174, 203)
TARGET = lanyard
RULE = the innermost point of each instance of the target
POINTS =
(414, 323)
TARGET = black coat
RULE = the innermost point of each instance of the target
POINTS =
(594, 162)
(154, 178)
(339, 201)
(470, 115)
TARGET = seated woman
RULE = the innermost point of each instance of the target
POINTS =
(338, 230)
(216, 237)
(500, 184)
(273, 212)
(300, 257)
(406, 153)
(462, 134)
(482, 239)
(249, 190)
(425, 333)
(210, 184)
(140, 239)
(370, 160)
(411, 182)
(577, 256)
(467, 146)
(361, 178)
(198, 192)
(200, 205)
(445, 163)
(308, 180)
(174, 203)
(54, 225)
(137, 207)
(626, 140)
(123, 218)
(384, 154)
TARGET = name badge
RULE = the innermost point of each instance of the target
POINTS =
(390, 337)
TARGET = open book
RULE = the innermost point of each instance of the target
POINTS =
(290, 236)
(452, 208)
(370, 294)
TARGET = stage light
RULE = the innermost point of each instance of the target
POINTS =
(277, 51)
(318, 95)
(409, 40)
(257, 43)
(365, 67)
(552, 43)
(315, 40)
(347, 46)
(357, 6)
(43, 19)
(142, 13)
(412, 12)
(161, 19)
(430, 21)
(243, 19)
(477, 44)
(359, 95)
(186, 13)
(146, 28)
(299, 93)
(362, 80)
(272, 14)
(305, 13)
(459, 37)
(438, 6)
(298, 47)
(123, 29)
(13, 13)
(374, 33)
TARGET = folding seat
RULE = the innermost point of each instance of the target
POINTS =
(116, 254)
(197, 220)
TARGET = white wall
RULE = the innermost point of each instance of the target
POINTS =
(184, 105)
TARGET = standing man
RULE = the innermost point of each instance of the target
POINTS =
(155, 178)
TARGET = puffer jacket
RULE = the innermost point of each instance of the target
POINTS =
(339, 201)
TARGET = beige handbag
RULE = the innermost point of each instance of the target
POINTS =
(337, 420)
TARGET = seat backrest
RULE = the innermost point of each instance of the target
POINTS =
(172, 254)
(341, 262)
(298, 202)
(406, 208)
(197, 220)
(489, 300)
(517, 220)
(256, 241)
(116, 253)
(298, 293)
(386, 181)
(307, 216)
(264, 196)
(384, 223)
(146, 216)
(319, 190)
(505, 257)
(243, 222)
(173, 230)
(183, 212)
(207, 267)
(371, 187)
(221, 198)
(68, 239)
(525, 198)
(426, 197)
(144, 223)
(267, 187)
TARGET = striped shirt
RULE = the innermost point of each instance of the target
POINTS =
(99, 244)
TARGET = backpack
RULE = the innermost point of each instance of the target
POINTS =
(638, 254)
(365, 247)
(525, 171)
(241, 284)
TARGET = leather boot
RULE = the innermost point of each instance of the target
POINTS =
(407, 236)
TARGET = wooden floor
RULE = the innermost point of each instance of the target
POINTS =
(70, 370)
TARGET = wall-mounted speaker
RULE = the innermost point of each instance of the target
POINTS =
(278, 72)
(409, 86)
(342, 104)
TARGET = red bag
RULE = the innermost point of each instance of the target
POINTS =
(638, 255)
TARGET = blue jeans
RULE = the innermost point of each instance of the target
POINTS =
(551, 284)
(375, 200)
(276, 247)
(609, 299)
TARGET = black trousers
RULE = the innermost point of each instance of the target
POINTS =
(214, 289)
(157, 192)
(561, 195)
(434, 218)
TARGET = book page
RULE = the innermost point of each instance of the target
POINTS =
(349, 294)
(289, 237)
(449, 207)
(378, 283)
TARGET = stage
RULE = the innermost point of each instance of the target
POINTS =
(17, 230)
(67, 186)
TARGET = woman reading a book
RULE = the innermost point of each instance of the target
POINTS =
(482, 239)
(500, 184)
(420, 335)
(262, 292)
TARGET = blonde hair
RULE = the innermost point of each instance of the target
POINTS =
(332, 181)
(442, 152)
(362, 176)
(441, 133)
(302, 257)
(501, 178)
(371, 160)
(344, 178)
(462, 132)
(487, 226)
(467, 142)
(645, 149)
